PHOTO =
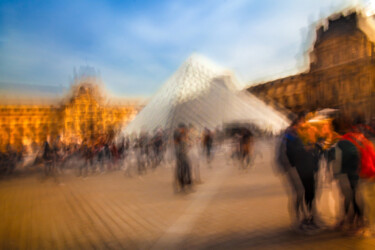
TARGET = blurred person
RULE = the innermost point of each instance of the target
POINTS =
(302, 155)
(142, 153)
(49, 159)
(346, 165)
(101, 156)
(157, 145)
(285, 167)
(246, 145)
(366, 174)
(207, 141)
(107, 156)
(193, 139)
(87, 155)
(121, 149)
(8, 160)
(57, 154)
(183, 172)
(235, 147)
(114, 156)
(131, 158)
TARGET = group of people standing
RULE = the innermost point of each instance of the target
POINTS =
(190, 147)
(342, 144)
(186, 142)
(99, 156)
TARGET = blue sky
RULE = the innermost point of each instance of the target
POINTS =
(137, 45)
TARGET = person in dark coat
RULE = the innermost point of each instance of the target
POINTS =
(207, 144)
(304, 159)
(47, 158)
(246, 142)
(285, 168)
(183, 172)
(346, 165)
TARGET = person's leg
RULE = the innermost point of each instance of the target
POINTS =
(181, 176)
(297, 190)
(309, 185)
(346, 193)
(188, 173)
(357, 208)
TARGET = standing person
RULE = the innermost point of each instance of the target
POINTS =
(47, 158)
(57, 158)
(86, 154)
(183, 174)
(50, 158)
(157, 143)
(346, 163)
(9, 159)
(142, 153)
(107, 155)
(304, 159)
(366, 174)
(284, 167)
(246, 142)
(194, 153)
(207, 144)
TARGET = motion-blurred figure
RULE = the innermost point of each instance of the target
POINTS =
(290, 173)
(142, 153)
(346, 163)
(194, 144)
(49, 159)
(8, 160)
(183, 174)
(207, 141)
(246, 145)
(158, 144)
(304, 159)
(87, 155)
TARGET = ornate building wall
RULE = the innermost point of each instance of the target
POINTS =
(84, 116)
(341, 72)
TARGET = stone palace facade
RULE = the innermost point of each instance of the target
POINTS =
(341, 71)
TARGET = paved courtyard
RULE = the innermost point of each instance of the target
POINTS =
(231, 209)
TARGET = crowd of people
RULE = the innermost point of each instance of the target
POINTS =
(102, 155)
(338, 148)
(9, 160)
(185, 148)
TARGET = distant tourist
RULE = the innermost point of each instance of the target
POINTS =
(183, 172)
(207, 141)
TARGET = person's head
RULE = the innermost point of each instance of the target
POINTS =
(299, 119)
(341, 124)
(182, 127)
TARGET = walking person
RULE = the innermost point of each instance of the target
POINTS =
(304, 157)
(207, 145)
(183, 173)
(194, 153)
(158, 143)
(365, 226)
(297, 208)
(87, 156)
(47, 158)
(246, 143)
(346, 164)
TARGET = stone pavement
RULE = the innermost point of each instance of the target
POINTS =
(232, 209)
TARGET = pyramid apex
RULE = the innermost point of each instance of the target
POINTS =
(198, 60)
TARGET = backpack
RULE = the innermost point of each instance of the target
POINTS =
(367, 152)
